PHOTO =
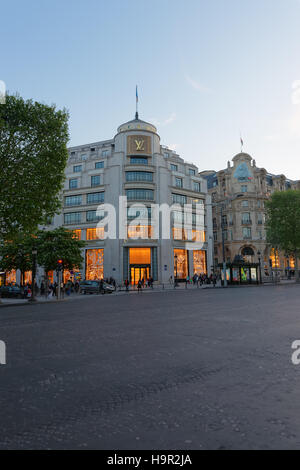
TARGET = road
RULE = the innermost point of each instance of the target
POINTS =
(207, 369)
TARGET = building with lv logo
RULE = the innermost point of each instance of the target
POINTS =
(135, 165)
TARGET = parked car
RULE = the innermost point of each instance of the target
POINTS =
(11, 291)
(94, 287)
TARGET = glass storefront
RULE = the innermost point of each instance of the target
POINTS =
(181, 270)
(199, 259)
(94, 264)
(11, 277)
(140, 264)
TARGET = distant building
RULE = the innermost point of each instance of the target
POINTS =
(238, 195)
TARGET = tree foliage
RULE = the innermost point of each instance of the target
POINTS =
(50, 245)
(17, 253)
(59, 244)
(33, 156)
(283, 222)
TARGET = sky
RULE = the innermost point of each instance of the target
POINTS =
(207, 72)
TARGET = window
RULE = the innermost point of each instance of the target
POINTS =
(91, 216)
(139, 176)
(258, 203)
(246, 218)
(139, 160)
(94, 198)
(73, 200)
(196, 186)
(142, 212)
(215, 236)
(179, 199)
(84, 156)
(72, 154)
(105, 153)
(93, 149)
(99, 165)
(140, 231)
(244, 188)
(72, 218)
(245, 203)
(95, 233)
(178, 182)
(77, 234)
(247, 233)
(166, 155)
(73, 183)
(140, 194)
(94, 264)
(260, 219)
(192, 172)
(95, 180)
(77, 168)
(174, 167)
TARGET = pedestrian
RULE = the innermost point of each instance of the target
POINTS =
(139, 286)
(126, 285)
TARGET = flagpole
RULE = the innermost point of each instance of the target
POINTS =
(136, 102)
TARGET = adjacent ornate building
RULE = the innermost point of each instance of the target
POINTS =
(238, 195)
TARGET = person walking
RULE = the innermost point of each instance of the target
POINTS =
(139, 286)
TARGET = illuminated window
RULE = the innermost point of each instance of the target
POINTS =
(95, 233)
(191, 235)
(71, 275)
(140, 256)
(11, 277)
(199, 258)
(77, 234)
(199, 236)
(274, 257)
(180, 264)
(27, 277)
(94, 264)
(140, 231)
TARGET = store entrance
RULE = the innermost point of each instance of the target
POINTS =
(139, 273)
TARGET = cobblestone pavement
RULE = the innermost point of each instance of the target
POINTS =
(204, 369)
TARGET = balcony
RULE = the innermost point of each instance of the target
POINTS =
(246, 222)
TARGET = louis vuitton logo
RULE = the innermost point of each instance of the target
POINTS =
(139, 145)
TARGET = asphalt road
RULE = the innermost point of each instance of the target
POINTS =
(173, 370)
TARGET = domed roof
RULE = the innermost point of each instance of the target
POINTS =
(242, 156)
(137, 125)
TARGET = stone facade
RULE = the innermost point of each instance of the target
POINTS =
(238, 195)
(136, 165)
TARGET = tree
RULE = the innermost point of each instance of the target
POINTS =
(17, 254)
(33, 156)
(283, 223)
(59, 244)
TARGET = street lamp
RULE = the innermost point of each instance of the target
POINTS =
(34, 253)
(259, 261)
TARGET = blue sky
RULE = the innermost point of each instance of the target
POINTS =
(206, 71)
